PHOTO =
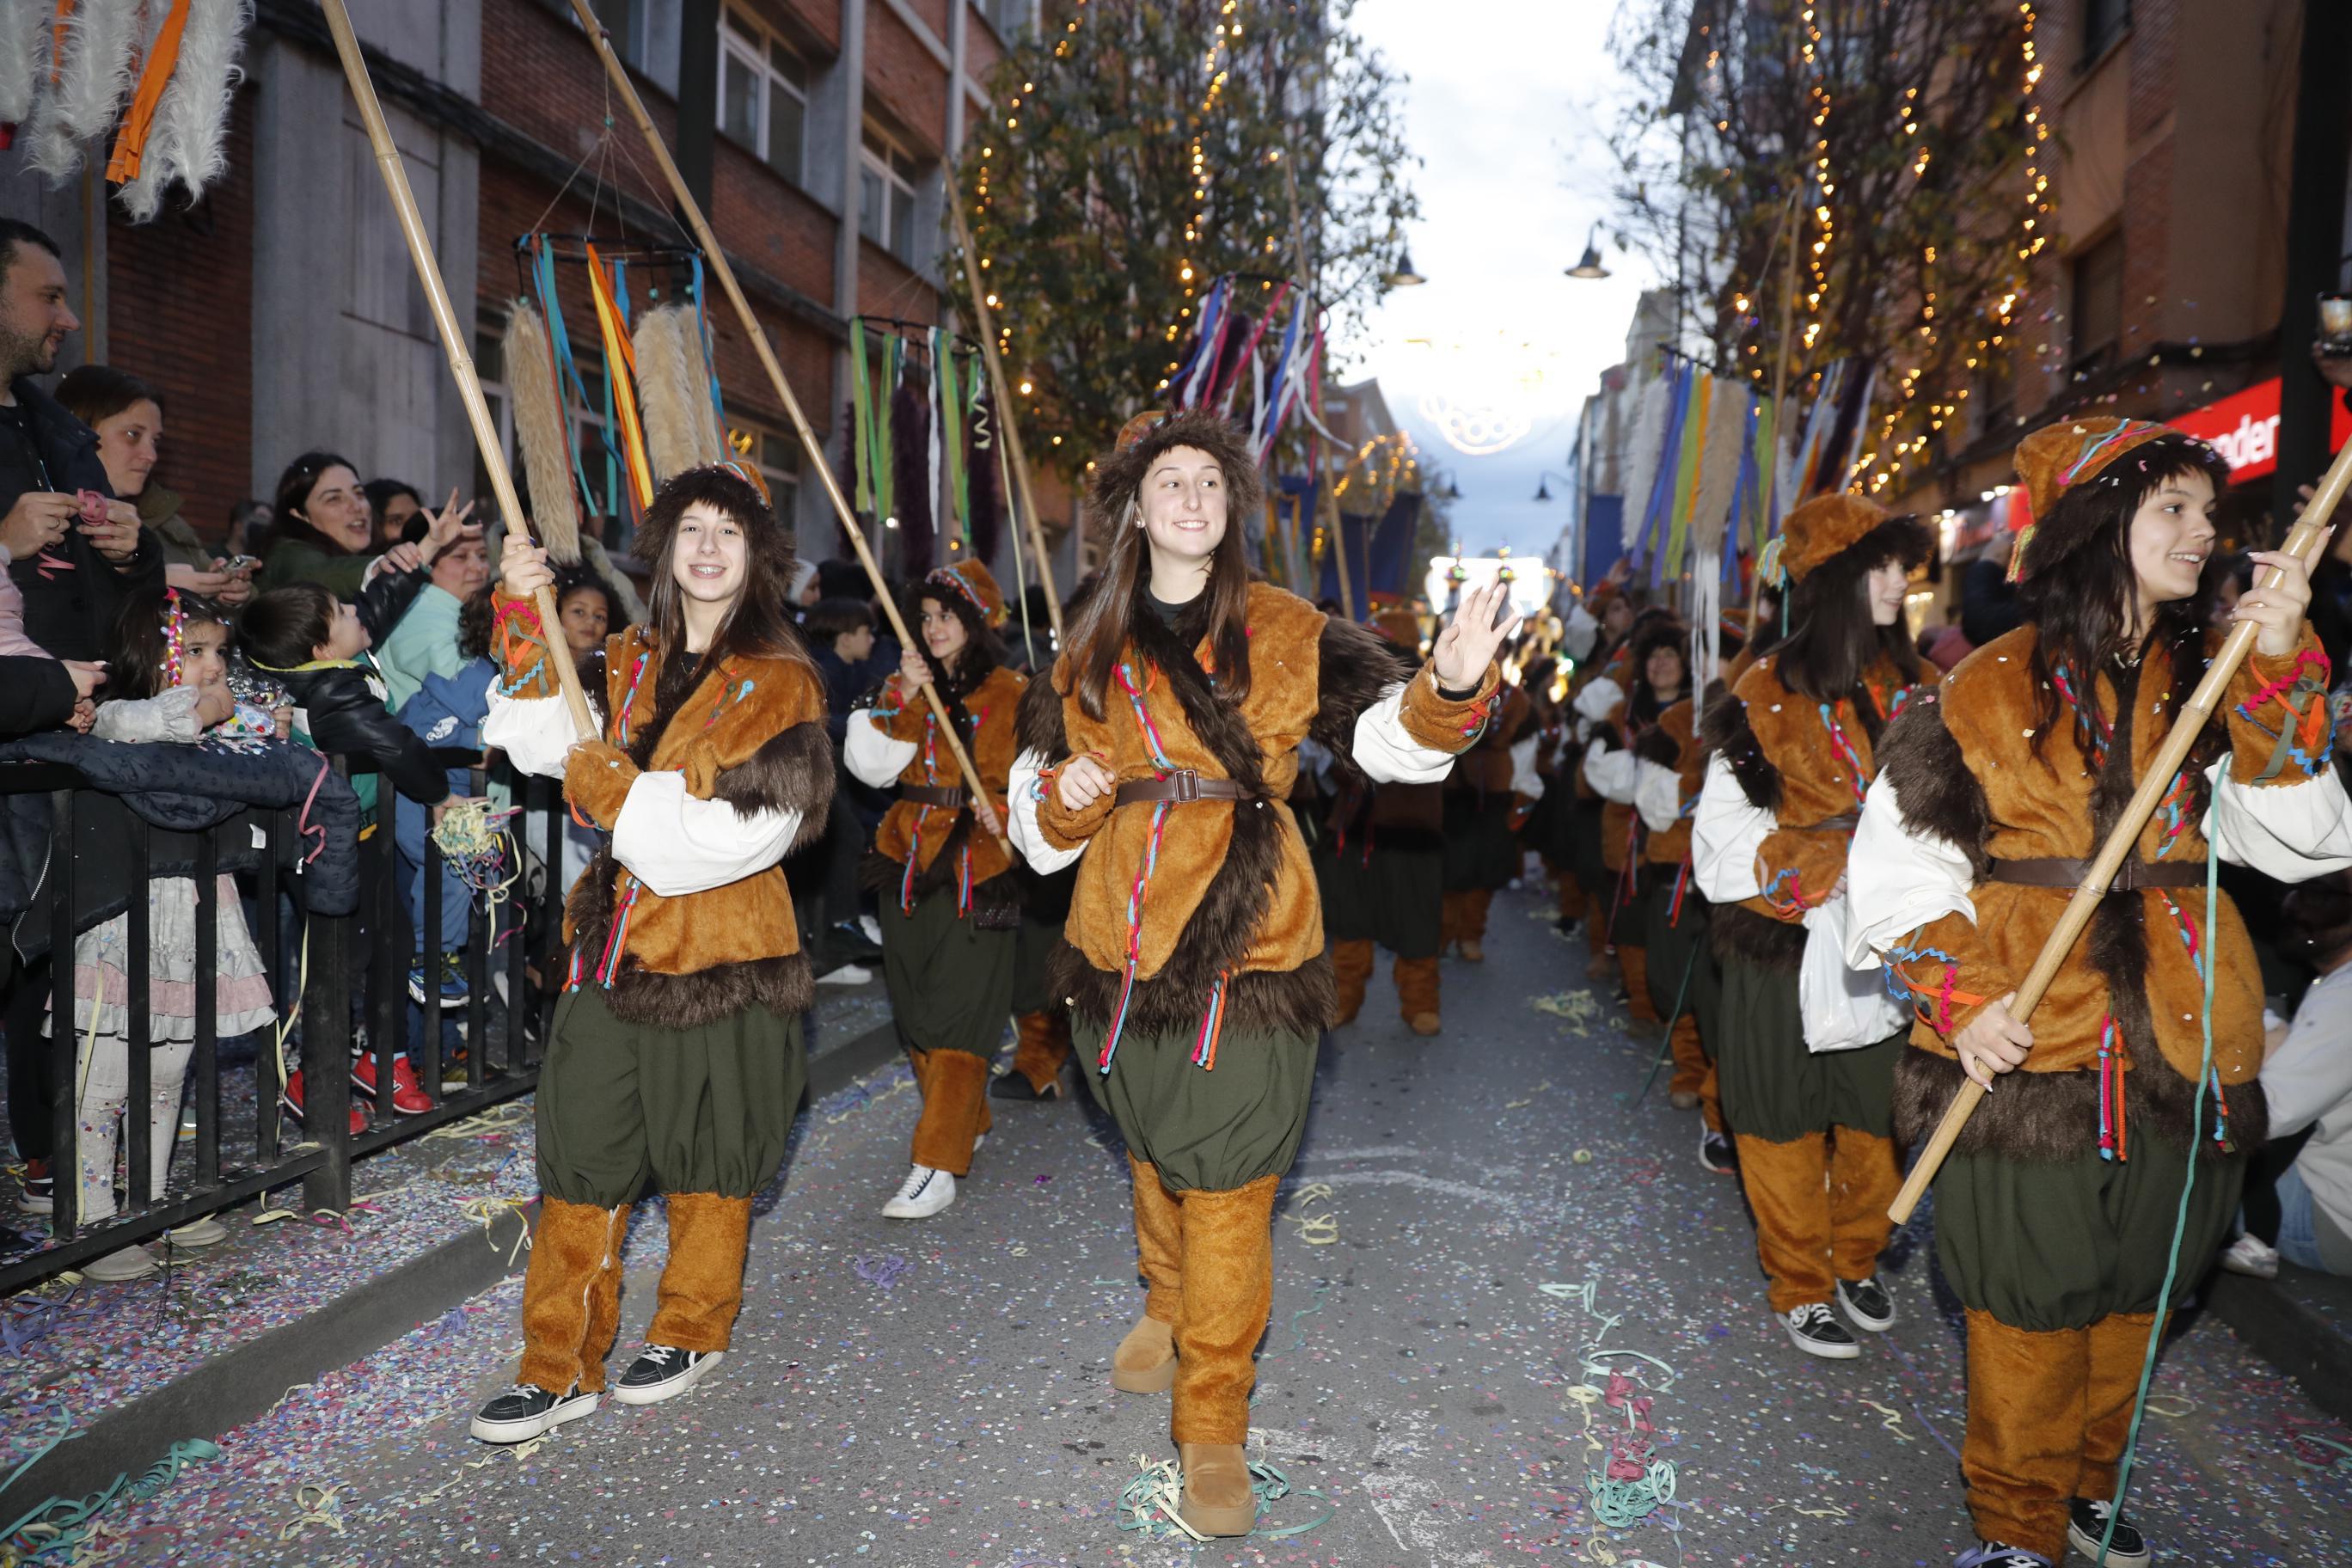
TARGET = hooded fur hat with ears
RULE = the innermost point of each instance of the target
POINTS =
(1118, 476)
(768, 553)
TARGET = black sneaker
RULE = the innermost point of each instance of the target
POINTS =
(2086, 1521)
(850, 943)
(526, 1411)
(1994, 1554)
(1717, 1152)
(1815, 1330)
(38, 1190)
(1867, 1303)
(661, 1371)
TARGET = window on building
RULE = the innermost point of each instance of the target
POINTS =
(2103, 22)
(1009, 17)
(625, 24)
(778, 458)
(886, 213)
(762, 94)
(2098, 302)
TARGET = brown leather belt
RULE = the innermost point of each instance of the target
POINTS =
(945, 798)
(2064, 873)
(1184, 783)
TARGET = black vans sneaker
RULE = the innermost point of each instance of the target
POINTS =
(527, 1411)
(1815, 1330)
(2086, 1521)
(1994, 1554)
(1867, 1303)
(662, 1370)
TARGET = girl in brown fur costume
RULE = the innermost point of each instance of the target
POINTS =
(2055, 1213)
(950, 902)
(1158, 757)
(1659, 671)
(677, 1051)
(1794, 746)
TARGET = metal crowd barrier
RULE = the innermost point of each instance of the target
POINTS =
(324, 952)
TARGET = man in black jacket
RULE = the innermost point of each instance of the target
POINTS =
(75, 567)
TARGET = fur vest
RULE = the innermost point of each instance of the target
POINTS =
(1964, 767)
(1229, 894)
(950, 848)
(750, 732)
(1809, 763)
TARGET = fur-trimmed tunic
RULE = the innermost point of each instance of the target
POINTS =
(1962, 786)
(896, 741)
(1230, 893)
(1806, 764)
(701, 810)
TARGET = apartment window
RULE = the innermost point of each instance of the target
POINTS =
(762, 94)
(2103, 22)
(2098, 302)
(886, 213)
(624, 23)
(1009, 17)
(778, 458)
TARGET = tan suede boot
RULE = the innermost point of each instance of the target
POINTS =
(1352, 966)
(1218, 1498)
(1417, 988)
(1145, 1362)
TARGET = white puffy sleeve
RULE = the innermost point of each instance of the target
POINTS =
(1524, 780)
(677, 844)
(1021, 793)
(1657, 794)
(535, 733)
(1386, 751)
(2293, 832)
(1725, 836)
(874, 757)
(1899, 878)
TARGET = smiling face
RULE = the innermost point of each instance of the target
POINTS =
(127, 444)
(338, 509)
(347, 635)
(709, 559)
(1183, 502)
(942, 632)
(2172, 538)
(1664, 670)
(1888, 582)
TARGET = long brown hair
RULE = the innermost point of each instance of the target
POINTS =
(758, 625)
(1107, 619)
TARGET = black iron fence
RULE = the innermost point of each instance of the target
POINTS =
(330, 973)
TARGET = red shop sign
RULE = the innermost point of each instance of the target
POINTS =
(2243, 428)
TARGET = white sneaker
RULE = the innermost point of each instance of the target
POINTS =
(2252, 1256)
(130, 1263)
(197, 1234)
(872, 928)
(848, 974)
(923, 1194)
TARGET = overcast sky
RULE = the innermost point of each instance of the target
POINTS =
(1510, 107)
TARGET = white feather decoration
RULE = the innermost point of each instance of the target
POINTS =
(1643, 453)
(24, 56)
(529, 365)
(1725, 438)
(186, 143)
(94, 75)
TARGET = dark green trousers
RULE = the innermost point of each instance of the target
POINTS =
(2045, 1246)
(1395, 896)
(1776, 1090)
(1680, 960)
(1207, 1129)
(950, 982)
(707, 1110)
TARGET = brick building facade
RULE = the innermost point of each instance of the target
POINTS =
(281, 313)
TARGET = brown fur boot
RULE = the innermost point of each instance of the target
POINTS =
(702, 1284)
(575, 1262)
(1351, 967)
(955, 1111)
(1145, 1362)
(1228, 1251)
(1416, 983)
(1473, 934)
(1042, 1044)
(1634, 963)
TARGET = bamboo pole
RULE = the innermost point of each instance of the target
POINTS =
(2155, 784)
(985, 319)
(716, 258)
(453, 343)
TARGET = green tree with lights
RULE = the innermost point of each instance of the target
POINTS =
(1138, 150)
(1896, 151)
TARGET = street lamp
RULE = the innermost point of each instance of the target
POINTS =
(1405, 277)
(1588, 265)
(1543, 483)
